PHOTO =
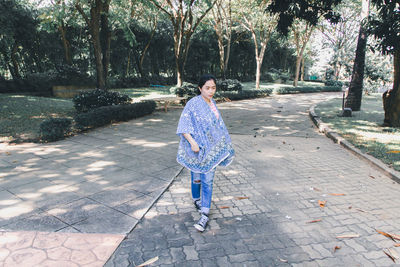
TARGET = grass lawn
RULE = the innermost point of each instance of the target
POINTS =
(275, 86)
(364, 128)
(145, 92)
(20, 116)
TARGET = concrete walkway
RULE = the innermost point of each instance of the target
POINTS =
(267, 206)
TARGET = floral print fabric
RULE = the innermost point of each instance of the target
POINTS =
(210, 133)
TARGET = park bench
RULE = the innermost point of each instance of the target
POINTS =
(168, 100)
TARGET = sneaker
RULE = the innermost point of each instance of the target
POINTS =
(202, 223)
(197, 204)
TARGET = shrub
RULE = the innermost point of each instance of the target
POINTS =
(188, 90)
(244, 94)
(333, 83)
(54, 129)
(105, 115)
(229, 85)
(85, 101)
(307, 89)
(274, 75)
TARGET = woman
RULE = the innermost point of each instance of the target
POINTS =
(205, 144)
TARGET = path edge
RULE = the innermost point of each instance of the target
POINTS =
(108, 262)
(335, 137)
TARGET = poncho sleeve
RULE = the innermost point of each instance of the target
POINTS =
(186, 122)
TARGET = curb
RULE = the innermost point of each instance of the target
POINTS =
(323, 128)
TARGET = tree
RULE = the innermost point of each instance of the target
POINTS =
(260, 24)
(223, 24)
(100, 35)
(309, 10)
(185, 16)
(385, 26)
(353, 99)
(340, 37)
(17, 34)
(301, 34)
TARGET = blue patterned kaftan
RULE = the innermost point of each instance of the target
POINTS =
(210, 133)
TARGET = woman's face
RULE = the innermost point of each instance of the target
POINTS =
(208, 89)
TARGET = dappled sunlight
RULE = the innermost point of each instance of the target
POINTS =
(180, 190)
(92, 153)
(101, 164)
(54, 189)
(16, 210)
(385, 138)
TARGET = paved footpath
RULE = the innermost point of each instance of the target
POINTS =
(286, 200)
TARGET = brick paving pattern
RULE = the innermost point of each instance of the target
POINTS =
(266, 210)
(288, 196)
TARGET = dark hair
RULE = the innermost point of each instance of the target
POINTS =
(206, 77)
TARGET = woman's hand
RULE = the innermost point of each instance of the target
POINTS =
(195, 147)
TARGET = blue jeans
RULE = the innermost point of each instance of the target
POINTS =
(203, 182)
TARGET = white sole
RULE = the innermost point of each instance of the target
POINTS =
(199, 228)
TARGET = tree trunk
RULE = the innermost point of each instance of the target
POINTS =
(66, 44)
(228, 52)
(391, 98)
(14, 61)
(143, 54)
(353, 99)
(297, 71)
(94, 24)
(105, 35)
(302, 69)
(258, 73)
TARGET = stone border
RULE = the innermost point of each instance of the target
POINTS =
(323, 128)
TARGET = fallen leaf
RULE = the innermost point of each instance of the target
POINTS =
(391, 236)
(393, 151)
(240, 198)
(8, 153)
(153, 260)
(317, 189)
(283, 142)
(224, 207)
(361, 210)
(348, 236)
(321, 203)
(336, 194)
(314, 221)
(397, 245)
(283, 260)
(372, 177)
(391, 254)
(336, 248)
(15, 161)
(350, 207)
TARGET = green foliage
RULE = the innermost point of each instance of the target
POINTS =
(54, 129)
(274, 75)
(333, 83)
(105, 115)
(244, 94)
(385, 26)
(229, 85)
(308, 10)
(307, 89)
(86, 101)
(188, 90)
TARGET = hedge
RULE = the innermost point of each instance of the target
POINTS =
(307, 89)
(105, 115)
(54, 129)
